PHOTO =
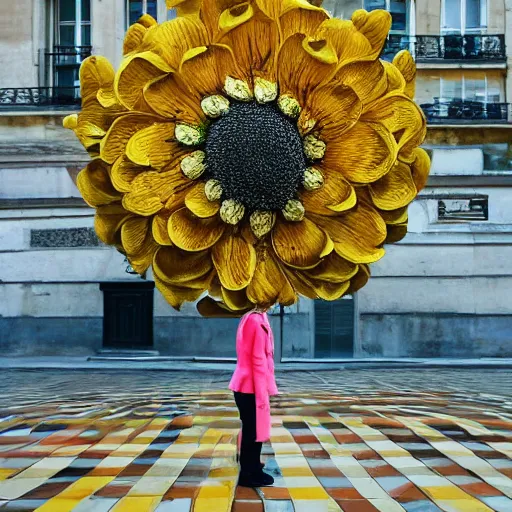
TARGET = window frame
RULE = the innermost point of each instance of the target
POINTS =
(484, 6)
(443, 80)
(77, 23)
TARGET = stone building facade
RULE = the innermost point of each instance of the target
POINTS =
(444, 291)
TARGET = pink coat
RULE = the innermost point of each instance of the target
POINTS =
(254, 371)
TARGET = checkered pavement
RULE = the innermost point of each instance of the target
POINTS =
(98, 442)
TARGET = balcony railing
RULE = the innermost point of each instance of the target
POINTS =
(66, 55)
(463, 111)
(448, 48)
(37, 97)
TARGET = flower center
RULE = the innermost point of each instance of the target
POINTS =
(256, 154)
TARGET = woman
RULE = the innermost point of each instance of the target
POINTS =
(253, 383)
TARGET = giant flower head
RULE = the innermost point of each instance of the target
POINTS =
(254, 151)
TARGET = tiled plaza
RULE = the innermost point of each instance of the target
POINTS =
(354, 441)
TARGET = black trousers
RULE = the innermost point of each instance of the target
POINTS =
(250, 451)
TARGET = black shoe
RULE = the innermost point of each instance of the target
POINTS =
(262, 465)
(256, 479)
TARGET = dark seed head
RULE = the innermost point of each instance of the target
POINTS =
(256, 153)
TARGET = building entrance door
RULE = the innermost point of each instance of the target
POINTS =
(334, 329)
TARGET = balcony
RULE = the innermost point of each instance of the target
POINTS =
(457, 111)
(29, 98)
(470, 48)
(59, 85)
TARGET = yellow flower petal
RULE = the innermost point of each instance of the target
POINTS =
(398, 216)
(153, 147)
(108, 222)
(169, 96)
(396, 232)
(394, 190)
(235, 16)
(300, 71)
(360, 39)
(96, 76)
(123, 172)
(172, 39)
(420, 168)
(367, 79)
(235, 261)
(114, 143)
(333, 269)
(142, 260)
(184, 7)
(177, 267)
(360, 279)
(299, 244)
(403, 118)
(205, 68)
(236, 300)
(405, 64)
(176, 295)
(363, 154)
(255, 41)
(333, 109)
(210, 308)
(134, 233)
(300, 16)
(193, 234)
(95, 185)
(335, 196)
(133, 38)
(159, 228)
(317, 289)
(134, 73)
(269, 284)
(357, 234)
(197, 202)
(151, 190)
(396, 81)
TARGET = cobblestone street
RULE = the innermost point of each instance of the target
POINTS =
(354, 441)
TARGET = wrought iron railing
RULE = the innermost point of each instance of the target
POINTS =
(67, 55)
(469, 47)
(39, 97)
(463, 111)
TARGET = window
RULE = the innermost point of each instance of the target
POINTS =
(136, 8)
(74, 23)
(482, 88)
(397, 9)
(72, 41)
(461, 16)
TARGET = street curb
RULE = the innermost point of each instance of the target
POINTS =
(172, 365)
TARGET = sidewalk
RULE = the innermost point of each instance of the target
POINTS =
(208, 365)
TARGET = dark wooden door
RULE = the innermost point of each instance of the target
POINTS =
(334, 328)
(128, 314)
